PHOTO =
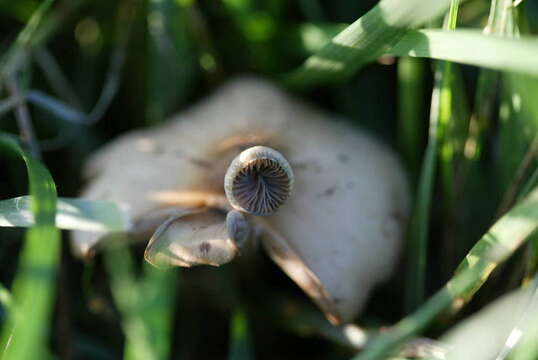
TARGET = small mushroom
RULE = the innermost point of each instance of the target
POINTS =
(192, 238)
(258, 181)
(327, 201)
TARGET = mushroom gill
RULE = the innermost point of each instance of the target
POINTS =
(336, 236)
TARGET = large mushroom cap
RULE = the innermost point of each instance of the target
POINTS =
(344, 220)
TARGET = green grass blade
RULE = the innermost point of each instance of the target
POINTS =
(158, 287)
(6, 299)
(240, 346)
(365, 40)
(411, 74)
(503, 238)
(127, 295)
(530, 184)
(24, 39)
(440, 115)
(71, 214)
(418, 230)
(146, 304)
(489, 51)
(26, 332)
(170, 61)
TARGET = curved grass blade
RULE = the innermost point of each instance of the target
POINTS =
(26, 331)
(365, 40)
(503, 238)
(71, 214)
(24, 40)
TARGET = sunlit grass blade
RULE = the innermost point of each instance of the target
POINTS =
(365, 40)
(240, 346)
(503, 238)
(518, 134)
(72, 214)
(6, 299)
(525, 88)
(26, 332)
(489, 51)
(486, 91)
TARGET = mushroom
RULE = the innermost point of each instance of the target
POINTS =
(333, 205)
(495, 330)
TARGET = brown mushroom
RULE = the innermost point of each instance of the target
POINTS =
(337, 235)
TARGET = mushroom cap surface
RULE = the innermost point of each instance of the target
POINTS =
(483, 335)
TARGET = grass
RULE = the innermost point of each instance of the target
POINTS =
(457, 100)
(30, 308)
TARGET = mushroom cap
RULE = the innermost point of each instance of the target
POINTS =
(192, 238)
(344, 220)
(258, 181)
(483, 335)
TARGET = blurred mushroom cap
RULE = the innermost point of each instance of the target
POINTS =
(339, 233)
(500, 324)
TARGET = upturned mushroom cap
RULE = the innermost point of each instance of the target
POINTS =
(340, 231)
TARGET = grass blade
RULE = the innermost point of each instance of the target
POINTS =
(503, 238)
(24, 40)
(157, 310)
(440, 115)
(127, 295)
(365, 40)
(25, 334)
(72, 214)
(240, 347)
(411, 74)
(6, 300)
(146, 304)
(489, 51)
(171, 67)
